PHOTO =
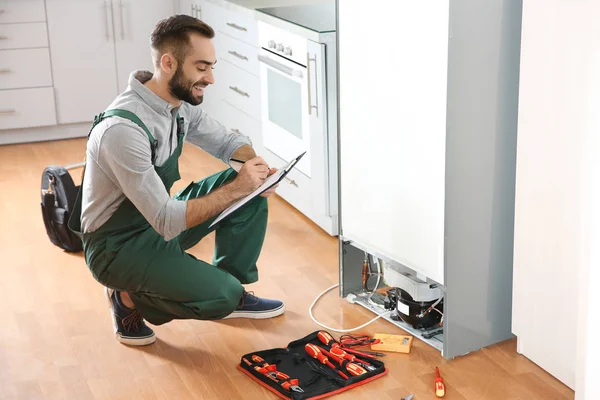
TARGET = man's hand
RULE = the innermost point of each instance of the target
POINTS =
(252, 174)
(269, 192)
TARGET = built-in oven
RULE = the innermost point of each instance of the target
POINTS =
(298, 110)
(288, 95)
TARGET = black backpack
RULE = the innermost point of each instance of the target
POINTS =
(58, 200)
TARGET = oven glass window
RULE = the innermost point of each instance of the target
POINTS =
(285, 103)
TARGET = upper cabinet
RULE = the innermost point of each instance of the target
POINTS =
(93, 55)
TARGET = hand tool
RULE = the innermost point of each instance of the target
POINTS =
(323, 372)
(409, 397)
(355, 369)
(271, 371)
(315, 352)
(340, 353)
(326, 339)
(262, 370)
(440, 389)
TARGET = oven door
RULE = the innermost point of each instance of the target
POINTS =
(285, 113)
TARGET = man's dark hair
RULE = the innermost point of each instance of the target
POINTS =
(173, 35)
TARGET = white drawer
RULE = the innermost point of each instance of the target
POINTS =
(239, 122)
(25, 68)
(13, 11)
(240, 88)
(238, 53)
(296, 188)
(231, 23)
(23, 36)
(25, 108)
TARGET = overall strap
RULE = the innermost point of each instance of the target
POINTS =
(133, 118)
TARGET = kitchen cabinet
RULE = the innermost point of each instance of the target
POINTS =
(26, 96)
(234, 98)
(93, 55)
(427, 157)
(83, 56)
(20, 11)
(134, 20)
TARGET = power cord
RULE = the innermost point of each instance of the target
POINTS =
(351, 298)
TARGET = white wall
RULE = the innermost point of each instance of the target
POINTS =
(555, 241)
(589, 278)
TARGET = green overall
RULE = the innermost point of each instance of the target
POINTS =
(163, 280)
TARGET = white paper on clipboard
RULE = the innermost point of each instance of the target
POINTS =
(269, 182)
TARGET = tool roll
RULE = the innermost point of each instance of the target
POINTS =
(313, 367)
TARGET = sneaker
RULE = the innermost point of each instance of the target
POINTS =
(128, 324)
(257, 308)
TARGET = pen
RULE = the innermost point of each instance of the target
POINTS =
(236, 160)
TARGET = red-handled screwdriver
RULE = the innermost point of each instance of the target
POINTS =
(327, 339)
(340, 353)
(315, 352)
(355, 369)
(440, 389)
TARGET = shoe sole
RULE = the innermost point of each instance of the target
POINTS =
(257, 314)
(141, 341)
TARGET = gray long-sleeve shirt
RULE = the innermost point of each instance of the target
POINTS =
(119, 161)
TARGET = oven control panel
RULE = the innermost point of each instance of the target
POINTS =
(283, 43)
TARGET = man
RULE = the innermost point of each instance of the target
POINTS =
(134, 234)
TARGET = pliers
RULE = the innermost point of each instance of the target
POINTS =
(270, 370)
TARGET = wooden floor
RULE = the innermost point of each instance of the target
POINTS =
(56, 339)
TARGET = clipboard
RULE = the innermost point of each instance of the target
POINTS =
(271, 181)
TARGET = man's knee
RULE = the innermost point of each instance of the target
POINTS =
(230, 298)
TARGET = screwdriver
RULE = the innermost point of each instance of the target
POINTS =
(315, 352)
(339, 352)
(326, 339)
(355, 369)
(440, 389)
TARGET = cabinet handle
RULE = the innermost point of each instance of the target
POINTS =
(121, 16)
(234, 26)
(236, 131)
(238, 55)
(193, 9)
(7, 110)
(3, 37)
(290, 181)
(105, 11)
(4, 70)
(238, 91)
(310, 106)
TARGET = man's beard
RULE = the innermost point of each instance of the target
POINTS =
(181, 88)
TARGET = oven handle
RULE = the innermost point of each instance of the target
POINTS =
(280, 67)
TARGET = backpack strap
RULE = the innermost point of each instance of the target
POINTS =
(133, 118)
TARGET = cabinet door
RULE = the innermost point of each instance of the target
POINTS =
(186, 7)
(83, 60)
(134, 22)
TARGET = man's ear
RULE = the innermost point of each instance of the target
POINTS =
(168, 63)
